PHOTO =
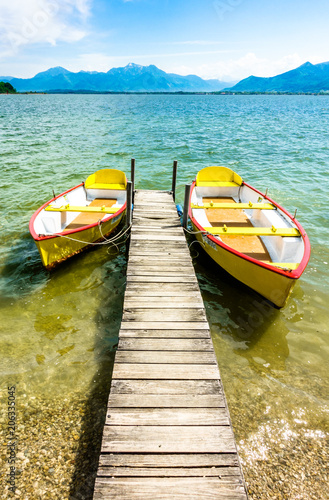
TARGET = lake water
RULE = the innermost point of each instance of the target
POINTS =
(58, 330)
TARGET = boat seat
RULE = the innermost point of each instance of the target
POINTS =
(107, 178)
(87, 218)
(253, 231)
(91, 209)
(241, 206)
(218, 177)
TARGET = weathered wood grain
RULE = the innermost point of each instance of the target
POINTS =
(167, 489)
(160, 268)
(151, 332)
(172, 295)
(180, 460)
(173, 439)
(141, 344)
(226, 474)
(165, 371)
(167, 416)
(170, 357)
(155, 315)
(160, 279)
(165, 325)
(166, 400)
(166, 289)
(193, 389)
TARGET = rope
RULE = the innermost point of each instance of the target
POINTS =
(108, 241)
(195, 232)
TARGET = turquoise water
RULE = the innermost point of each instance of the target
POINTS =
(59, 330)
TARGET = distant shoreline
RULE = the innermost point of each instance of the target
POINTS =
(220, 92)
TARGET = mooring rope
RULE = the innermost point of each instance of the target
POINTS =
(108, 241)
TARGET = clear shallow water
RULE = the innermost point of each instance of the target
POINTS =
(58, 330)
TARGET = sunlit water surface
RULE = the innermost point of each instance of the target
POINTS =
(59, 330)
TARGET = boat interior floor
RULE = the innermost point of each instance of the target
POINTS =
(252, 246)
(86, 218)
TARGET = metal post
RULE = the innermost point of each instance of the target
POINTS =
(174, 176)
(132, 177)
(186, 203)
(129, 204)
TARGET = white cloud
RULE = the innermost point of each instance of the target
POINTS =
(249, 64)
(25, 22)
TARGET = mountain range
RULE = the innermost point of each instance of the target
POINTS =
(135, 78)
(131, 78)
(306, 78)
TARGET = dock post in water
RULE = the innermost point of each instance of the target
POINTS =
(174, 177)
(167, 433)
(132, 177)
(129, 203)
(185, 209)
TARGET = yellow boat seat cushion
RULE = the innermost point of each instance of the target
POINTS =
(106, 178)
(218, 176)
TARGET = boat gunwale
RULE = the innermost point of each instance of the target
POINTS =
(293, 274)
(37, 237)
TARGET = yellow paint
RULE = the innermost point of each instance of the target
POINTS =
(106, 178)
(254, 231)
(273, 286)
(285, 265)
(71, 208)
(218, 176)
(241, 206)
(60, 248)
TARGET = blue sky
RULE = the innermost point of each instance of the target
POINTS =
(224, 39)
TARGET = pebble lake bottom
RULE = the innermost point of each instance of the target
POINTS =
(58, 330)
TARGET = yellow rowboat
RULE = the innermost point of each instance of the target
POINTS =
(79, 217)
(248, 234)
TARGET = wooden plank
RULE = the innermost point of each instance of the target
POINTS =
(147, 228)
(160, 259)
(166, 388)
(166, 289)
(167, 416)
(165, 325)
(163, 246)
(152, 333)
(226, 474)
(167, 489)
(140, 249)
(159, 237)
(181, 298)
(166, 400)
(156, 315)
(170, 304)
(170, 357)
(173, 439)
(143, 296)
(142, 344)
(159, 268)
(165, 371)
(143, 271)
(142, 223)
(190, 460)
(161, 279)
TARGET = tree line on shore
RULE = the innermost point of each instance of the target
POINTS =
(7, 88)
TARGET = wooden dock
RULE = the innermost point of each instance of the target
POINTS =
(168, 433)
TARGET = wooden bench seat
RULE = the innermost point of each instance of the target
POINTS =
(86, 218)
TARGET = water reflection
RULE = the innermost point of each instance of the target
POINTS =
(253, 326)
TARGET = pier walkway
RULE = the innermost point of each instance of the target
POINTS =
(167, 433)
